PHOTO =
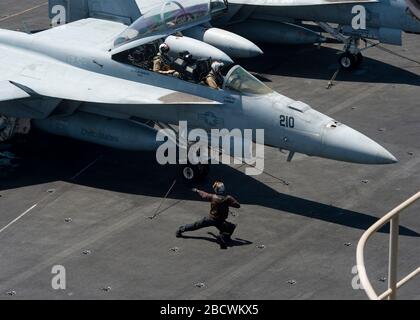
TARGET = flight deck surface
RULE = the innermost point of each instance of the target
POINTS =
(87, 207)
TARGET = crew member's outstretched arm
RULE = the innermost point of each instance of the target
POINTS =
(233, 202)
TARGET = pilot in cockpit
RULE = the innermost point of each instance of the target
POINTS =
(215, 79)
(161, 62)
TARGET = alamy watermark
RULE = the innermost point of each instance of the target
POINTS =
(220, 146)
(359, 20)
(355, 281)
(59, 280)
(59, 15)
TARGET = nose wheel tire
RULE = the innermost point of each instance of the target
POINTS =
(194, 173)
(349, 61)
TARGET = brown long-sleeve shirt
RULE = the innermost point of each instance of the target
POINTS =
(219, 204)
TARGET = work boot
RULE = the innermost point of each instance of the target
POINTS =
(226, 237)
(222, 242)
(178, 234)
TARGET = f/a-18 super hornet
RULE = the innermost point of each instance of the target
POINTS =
(353, 22)
(127, 11)
(91, 80)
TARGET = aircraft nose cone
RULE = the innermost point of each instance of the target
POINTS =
(346, 144)
(383, 156)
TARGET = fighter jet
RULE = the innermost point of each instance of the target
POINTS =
(90, 80)
(127, 11)
(355, 23)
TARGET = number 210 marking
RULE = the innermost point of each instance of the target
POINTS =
(287, 122)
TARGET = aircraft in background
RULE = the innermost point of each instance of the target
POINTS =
(90, 80)
(351, 22)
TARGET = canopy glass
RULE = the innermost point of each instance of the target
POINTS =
(169, 18)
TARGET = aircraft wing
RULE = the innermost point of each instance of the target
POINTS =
(9, 91)
(43, 77)
(297, 3)
(26, 76)
(91, 32)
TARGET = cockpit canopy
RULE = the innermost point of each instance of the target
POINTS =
(169, 18)
(239, 80)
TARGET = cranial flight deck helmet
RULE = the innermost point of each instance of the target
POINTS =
(219, 188)
(164, 48)
(217, 66)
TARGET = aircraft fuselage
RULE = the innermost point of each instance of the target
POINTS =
(288, 124)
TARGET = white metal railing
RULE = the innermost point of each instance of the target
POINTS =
(393, 283)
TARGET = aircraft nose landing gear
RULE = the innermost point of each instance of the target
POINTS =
(350, 61)
(195, 173)
(191, 172)
(352, 57)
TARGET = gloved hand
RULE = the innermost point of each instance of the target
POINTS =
(194, 190)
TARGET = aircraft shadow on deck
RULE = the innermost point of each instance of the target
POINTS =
(312, 63)
(49, 158)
